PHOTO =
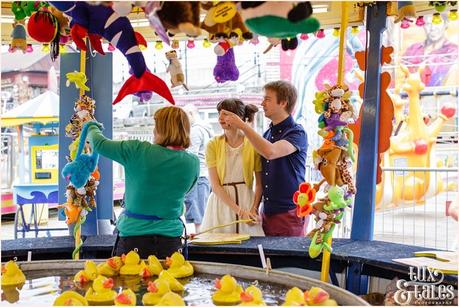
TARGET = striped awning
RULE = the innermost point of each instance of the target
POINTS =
(41, 109)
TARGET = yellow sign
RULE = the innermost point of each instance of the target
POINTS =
(224, 12)
(44, 163)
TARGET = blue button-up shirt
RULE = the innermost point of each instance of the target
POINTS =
(282, 176)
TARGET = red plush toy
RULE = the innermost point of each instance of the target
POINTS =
(44, 28)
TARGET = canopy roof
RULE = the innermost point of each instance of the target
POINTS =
(327, 12)
(42, 109)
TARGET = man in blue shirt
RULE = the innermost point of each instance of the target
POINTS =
(283, 149)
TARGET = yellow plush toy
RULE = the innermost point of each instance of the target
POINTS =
(178, 267)
(228, 291)
(12, 274)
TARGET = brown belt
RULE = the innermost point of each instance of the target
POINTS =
(234, 185)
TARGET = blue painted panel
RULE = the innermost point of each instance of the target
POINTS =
(364, 206)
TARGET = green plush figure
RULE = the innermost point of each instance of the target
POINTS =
(279, 19)
(23, 9)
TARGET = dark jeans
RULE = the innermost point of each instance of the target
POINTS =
(147, 245)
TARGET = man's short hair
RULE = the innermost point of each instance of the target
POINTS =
(285, 91)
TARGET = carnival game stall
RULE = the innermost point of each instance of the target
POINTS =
(221, 268)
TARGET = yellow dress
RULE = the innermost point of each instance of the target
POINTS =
(217, 212)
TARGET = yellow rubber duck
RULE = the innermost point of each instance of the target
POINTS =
(132, 282)
(294, 297)
(171, 299)
(126, 298)
(88, 274)
(12, 274)
(252, 296)
(153, 267)
(101, 291)
(111, 267)
(228, 293)
(318, 297)
(11, 293)
(132, 264)
(178, 267)
(156, 290)
(174, 284)
(70, 298)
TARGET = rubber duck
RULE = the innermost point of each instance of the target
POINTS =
(252, 296)
(12, 274)
(132, 264)
(88, 274)
(294, 297)
(171, 299)
(126, 298)
(153, 267)
(174, 284)
(156, 290)
(178, 267)
(101, 291)
(111, 267)
(11, 293)
(228, 293)
(70, 298)
(132, 282)
(318, 297)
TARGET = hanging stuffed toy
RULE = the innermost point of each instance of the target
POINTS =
(224, 18)
(180, 17)
(44, 27)
(282, 20)
(175, 69)
(19, 37)
(225, 69)
(79, 170)
(23, 9)
(101, 21)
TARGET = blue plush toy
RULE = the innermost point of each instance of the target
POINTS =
(79, 170)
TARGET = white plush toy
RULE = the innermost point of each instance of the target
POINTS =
(175, 69)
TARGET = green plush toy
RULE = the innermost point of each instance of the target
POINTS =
(279, 20)
(23, 9)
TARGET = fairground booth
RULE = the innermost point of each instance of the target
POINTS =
(180, 153)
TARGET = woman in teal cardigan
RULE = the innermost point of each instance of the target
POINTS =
(157, 178)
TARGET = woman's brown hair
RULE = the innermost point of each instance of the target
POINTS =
(172, 127)
(244, 111)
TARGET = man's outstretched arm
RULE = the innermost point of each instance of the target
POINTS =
(265, 148)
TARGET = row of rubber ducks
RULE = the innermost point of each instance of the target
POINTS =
(131, 264)
(229, 292)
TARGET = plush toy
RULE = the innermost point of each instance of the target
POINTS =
(282, 20)
(224, 18)
(151, 9)
(79, 170)
(97, 21)
(23, 9)
(180, 17)
(19, 37)
(225, 69)
(44, 27)
(79, 78)
(405, 9)
(175, 69)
